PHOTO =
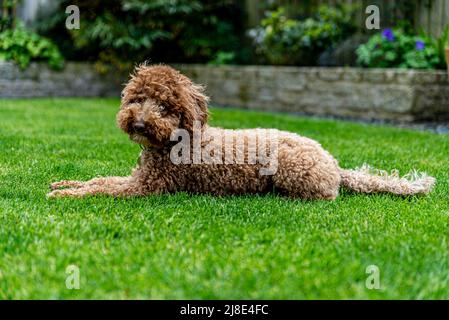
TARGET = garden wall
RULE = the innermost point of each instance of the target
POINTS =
(401, 95)
(76, 80)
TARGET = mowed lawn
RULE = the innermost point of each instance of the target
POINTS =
(183, 246)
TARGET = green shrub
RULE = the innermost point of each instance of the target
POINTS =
(441, 43)
(8, 14)
(396, 48)
(282, 40)
(23, 46)
(223, 57)
(124, 32)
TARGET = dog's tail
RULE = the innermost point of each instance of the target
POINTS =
(369, 180)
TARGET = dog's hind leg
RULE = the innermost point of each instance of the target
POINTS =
(307, 173)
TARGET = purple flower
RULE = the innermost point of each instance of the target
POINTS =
(388, 34)
(420, 45)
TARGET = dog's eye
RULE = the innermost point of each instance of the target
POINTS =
(161, 108)
(136, 100)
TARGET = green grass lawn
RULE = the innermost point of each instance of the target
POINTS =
(182, 246)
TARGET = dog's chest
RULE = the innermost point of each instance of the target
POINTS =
(201, 177)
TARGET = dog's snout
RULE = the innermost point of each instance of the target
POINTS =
(139, 127)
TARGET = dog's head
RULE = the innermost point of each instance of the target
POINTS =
(158, 100)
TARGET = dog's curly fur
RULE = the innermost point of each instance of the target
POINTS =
(158, 100)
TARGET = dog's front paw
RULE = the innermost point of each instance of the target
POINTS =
(54, 194)
(65, 184)
(64, 193)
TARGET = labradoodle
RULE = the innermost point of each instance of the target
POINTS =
(159, 101)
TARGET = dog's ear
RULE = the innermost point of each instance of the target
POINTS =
(196, 107)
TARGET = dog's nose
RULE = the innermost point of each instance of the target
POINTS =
(139, 127)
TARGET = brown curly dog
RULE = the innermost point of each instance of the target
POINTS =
(159, 101)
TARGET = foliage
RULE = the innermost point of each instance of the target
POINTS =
(203, 247)
(399, 48)
(223, 57)
(128, 31)
(23, 46)
(282, 40)
(7, 13)
(441, 44)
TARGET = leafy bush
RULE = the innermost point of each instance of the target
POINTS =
(441, 43)
(127, 31)
(281, 40)
(23, 46)
(223, 57)
(396, 48)
(7, 15)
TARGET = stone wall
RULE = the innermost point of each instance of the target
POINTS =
(400, 95)
(76, 80)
